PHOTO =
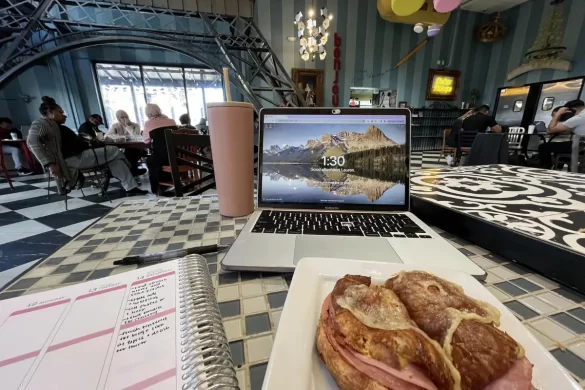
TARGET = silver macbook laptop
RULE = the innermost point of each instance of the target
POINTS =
(334, 183)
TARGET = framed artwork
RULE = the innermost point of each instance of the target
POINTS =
(442, 84)
(403, 105)
(310, 83)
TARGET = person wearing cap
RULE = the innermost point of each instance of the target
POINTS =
(570, 118)
(90, 127)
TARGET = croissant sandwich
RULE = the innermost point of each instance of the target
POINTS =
(368, 341)
(486, 357)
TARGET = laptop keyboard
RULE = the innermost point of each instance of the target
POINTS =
(338, 224)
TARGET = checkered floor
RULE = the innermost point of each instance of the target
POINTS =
(33, 226)
(427, 160)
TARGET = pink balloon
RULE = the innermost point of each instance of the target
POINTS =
(444, 6)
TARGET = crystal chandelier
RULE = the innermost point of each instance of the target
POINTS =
(311, 36)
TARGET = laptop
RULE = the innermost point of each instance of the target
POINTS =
(334, 183)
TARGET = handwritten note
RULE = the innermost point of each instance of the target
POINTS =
(112, 333)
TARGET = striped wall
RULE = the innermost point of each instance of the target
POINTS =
(372, 46)
(524, 21)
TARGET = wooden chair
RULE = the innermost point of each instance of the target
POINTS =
(446, 150)
(185, 151)
(3, 168)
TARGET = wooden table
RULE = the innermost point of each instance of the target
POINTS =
(22, 143)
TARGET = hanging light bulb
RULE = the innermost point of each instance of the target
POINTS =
(322, 52)
(305, 56)
(310, 13)
(324, 38)
(303, 41)
(330, 16)
(326, 24)
(301, 25)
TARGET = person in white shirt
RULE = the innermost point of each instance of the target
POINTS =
(576, 124)
(124, 126)
(558, 124)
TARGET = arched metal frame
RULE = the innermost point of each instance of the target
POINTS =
(35, 30)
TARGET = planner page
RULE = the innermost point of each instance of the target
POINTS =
(118, 332)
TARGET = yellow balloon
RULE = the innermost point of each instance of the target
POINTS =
(406, 7)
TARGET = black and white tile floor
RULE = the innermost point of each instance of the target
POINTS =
(32, 227)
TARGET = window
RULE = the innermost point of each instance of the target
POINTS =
(121, 89)
(548, 103)
(203, 86)
(165, 87)
(176, 90)
(518, 105)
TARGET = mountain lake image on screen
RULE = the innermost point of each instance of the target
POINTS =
(334, 163)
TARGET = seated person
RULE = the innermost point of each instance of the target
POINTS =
(576, 124)
(481, 121)
(185, 120)
(90, 128)
(125, 127)
(58, 148)
(453, 139)
(15, 151)
(156, 120)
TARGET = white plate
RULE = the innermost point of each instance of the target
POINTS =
(294, 361)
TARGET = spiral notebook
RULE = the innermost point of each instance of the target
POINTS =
(158, 327)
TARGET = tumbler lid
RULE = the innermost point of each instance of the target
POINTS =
(230, 104)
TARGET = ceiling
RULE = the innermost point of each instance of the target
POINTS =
(489, 6)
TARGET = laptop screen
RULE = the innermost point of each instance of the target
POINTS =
(335, 161)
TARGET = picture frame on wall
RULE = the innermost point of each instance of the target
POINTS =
(442, 84)
(310, 83)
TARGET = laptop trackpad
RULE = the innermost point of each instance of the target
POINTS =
(336, 247)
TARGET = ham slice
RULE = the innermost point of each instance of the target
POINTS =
(519, 377)
(410, 378)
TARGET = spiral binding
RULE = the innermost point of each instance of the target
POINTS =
(206, 361)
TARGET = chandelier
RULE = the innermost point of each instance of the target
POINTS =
(311, 36)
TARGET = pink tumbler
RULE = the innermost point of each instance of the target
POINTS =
(231, 128)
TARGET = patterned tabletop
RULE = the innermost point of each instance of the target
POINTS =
(545, 204)
(251, 302)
